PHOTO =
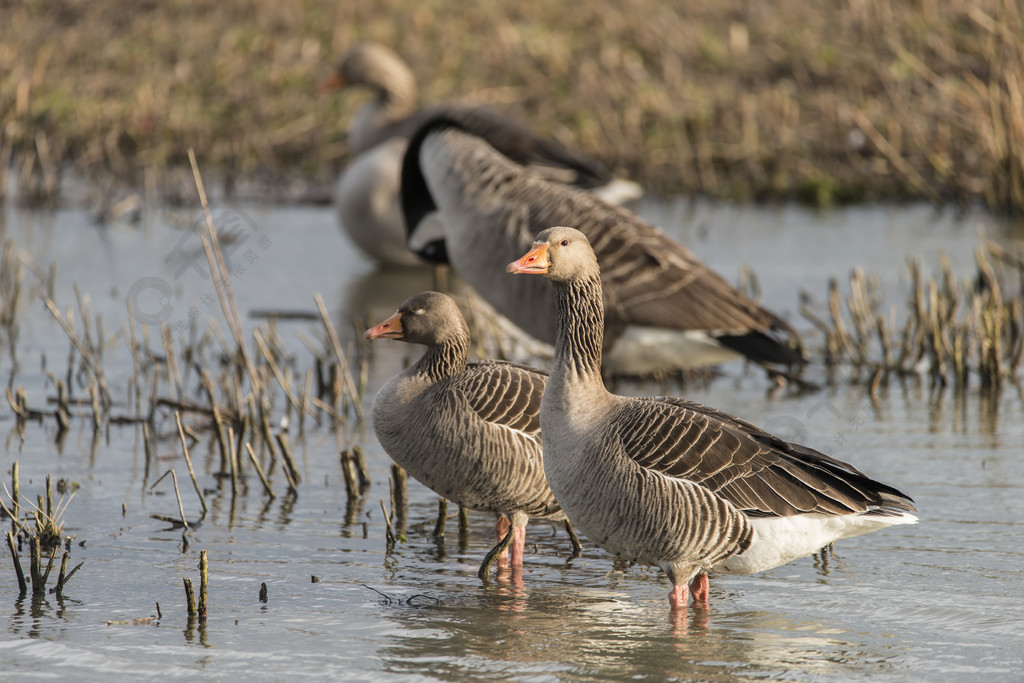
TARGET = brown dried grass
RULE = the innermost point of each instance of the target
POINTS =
(854, 100)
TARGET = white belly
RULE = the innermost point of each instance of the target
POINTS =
(778, 540)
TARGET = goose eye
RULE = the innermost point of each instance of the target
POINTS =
(419, 311)
(564, 243)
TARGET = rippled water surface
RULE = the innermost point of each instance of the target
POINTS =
(942, 600)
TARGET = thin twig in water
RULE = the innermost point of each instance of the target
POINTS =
(259, 470)
(188, 461)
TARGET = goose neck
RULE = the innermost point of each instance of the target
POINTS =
(445, 359)
(580, 328)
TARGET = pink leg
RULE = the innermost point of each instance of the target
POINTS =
(701, 589)
(500, 530)
(518, 546)
(679, 596)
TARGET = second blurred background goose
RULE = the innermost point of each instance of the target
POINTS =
(367, 190)
(664, 309)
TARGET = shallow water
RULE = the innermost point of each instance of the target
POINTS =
(941, 600)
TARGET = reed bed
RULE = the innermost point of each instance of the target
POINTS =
(855, 100)
(953, 332)
(40, 527)
(243, 394)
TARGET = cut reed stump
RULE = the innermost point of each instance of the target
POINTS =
(442, 518)
(399, 498)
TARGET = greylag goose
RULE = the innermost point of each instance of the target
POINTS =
(467, 431)
(672, 483)
(664, 309)
(367, 191)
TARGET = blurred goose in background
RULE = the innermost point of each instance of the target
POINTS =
(672, 483)
(470, 432)
(664, 309)
(367, 191)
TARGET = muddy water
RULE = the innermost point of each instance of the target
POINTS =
(942, 600)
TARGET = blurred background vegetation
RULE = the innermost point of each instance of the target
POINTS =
(845, 100)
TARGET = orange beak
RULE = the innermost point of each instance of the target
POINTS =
(389, 329)
(534, 261)
(332, 83)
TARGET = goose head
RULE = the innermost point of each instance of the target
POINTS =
(374, 66)
(560, 254)
(427, 318)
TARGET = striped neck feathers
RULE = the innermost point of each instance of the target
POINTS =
(579, 331)
(444, 359)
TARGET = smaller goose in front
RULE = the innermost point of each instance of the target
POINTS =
(670, 482)
(470, 432)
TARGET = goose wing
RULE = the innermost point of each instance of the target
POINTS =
(506, 394)
(757, 472)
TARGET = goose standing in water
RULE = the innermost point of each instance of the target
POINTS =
(470, 432)
(664, 309)
(367, 191)
(673, 483)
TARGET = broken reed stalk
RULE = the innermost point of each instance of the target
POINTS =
(147, 446)
(259, 471)
(133, 345)
(40, 576)
(343, 365)
(93, 366)
(177, 494)
(442, 518)
(202, 585)
(463, 521)
(278, 374)
(190, 597)
(173, 375)
(49, 495)
(361, 469)
(221, 279)
(348, 469)
(15, 492)
(62, 581)
(232, 461)
(268, 436)
(61, 578)
(188, 461)
(218, 418)
(291, 473)
(22, 586)
(389, 534)
(399, 497)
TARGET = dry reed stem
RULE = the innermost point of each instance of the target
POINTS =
(259, 471)
(232, 461)
(221, 278)
(348, 469)
(399, 497)
(188, 461)
(190, 597)
(442, 518)
(361, 468)
(83, 351)
(339, 355)
(22, 586)
(202, 585)
(389, 535)
(290, 471)
(278, 374)
(177, 494)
